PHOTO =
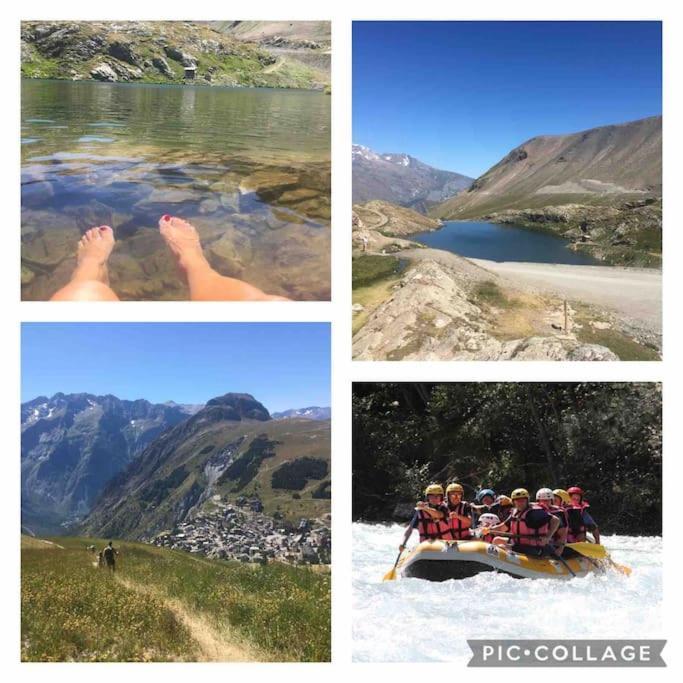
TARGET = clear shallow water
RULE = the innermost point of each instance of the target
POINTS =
(249, 167)
(478, 239)
(397, 621)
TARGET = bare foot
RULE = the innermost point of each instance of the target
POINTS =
(204, 282)
(183, 241)
(90, 279)
(94, 249)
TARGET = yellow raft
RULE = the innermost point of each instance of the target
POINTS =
(444, 560)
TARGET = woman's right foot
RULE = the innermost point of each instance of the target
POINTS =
(94, 249)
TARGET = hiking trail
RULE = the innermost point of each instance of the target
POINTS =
(214, 645)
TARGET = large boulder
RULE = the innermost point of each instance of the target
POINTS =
(125, 52)
(177, 55)
(104, 72)
(161, 65)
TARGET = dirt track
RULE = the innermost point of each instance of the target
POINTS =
(214, 645)
(633, 292)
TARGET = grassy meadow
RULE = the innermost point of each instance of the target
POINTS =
(164, 605)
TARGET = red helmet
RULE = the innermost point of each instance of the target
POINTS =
(575, 489)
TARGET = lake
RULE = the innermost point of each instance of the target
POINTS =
(250, 168)
(477, 239)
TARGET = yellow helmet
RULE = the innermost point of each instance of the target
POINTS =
(562, 495)
(505, 501)
(455, 487)
(519, 493)
(434, 490)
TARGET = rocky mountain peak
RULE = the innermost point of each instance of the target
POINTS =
(237, 407)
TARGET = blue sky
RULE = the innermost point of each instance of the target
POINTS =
(460, 95)
(284, 365)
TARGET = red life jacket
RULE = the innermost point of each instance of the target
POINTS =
(456, 529)
(523, 534)
(429, 529)
(576, 529)
(556, 512)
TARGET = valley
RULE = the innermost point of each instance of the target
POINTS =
(225, 480)
(553, 254)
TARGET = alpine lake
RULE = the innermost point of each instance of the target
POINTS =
(249, 168)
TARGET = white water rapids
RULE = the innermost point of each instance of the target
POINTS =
(411, 620)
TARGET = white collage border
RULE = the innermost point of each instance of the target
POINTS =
(344, 371)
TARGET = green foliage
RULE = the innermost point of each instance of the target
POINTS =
(159, 489)
(246, 467)
(370, 268)
(488, 292)
(604, 437)
(294, 475)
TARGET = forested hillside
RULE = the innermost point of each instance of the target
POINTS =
(604, 437)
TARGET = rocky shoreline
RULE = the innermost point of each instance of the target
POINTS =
(240, 531)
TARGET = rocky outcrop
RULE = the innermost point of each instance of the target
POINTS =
(432, 315)
(391, 220)
(628, 233)
(185, 58)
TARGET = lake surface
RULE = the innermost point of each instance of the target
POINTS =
(250, 168)
(478, 239)
(396, 621)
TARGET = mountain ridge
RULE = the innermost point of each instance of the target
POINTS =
(72, 444)
(596, 166)
(401, 179)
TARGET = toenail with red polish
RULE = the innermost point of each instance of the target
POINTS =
(166, 217)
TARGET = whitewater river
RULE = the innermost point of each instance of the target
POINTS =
(411, 620)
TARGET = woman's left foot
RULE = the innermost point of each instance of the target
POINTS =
(94, 249)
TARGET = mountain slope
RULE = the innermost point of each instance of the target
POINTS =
(401, 179)
(598, 166)
(274, 32)
(157, 52)
(228, 451)
(72, 444)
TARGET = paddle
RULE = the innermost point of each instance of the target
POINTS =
(596, 551)
(587, 549)
(391, 574)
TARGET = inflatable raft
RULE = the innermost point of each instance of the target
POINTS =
(444, 560)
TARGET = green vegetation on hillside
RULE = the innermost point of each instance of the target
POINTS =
(164, 605)
(371, 268)
(604, 437)
(294, 475)
(157, 52)
(245, 468)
